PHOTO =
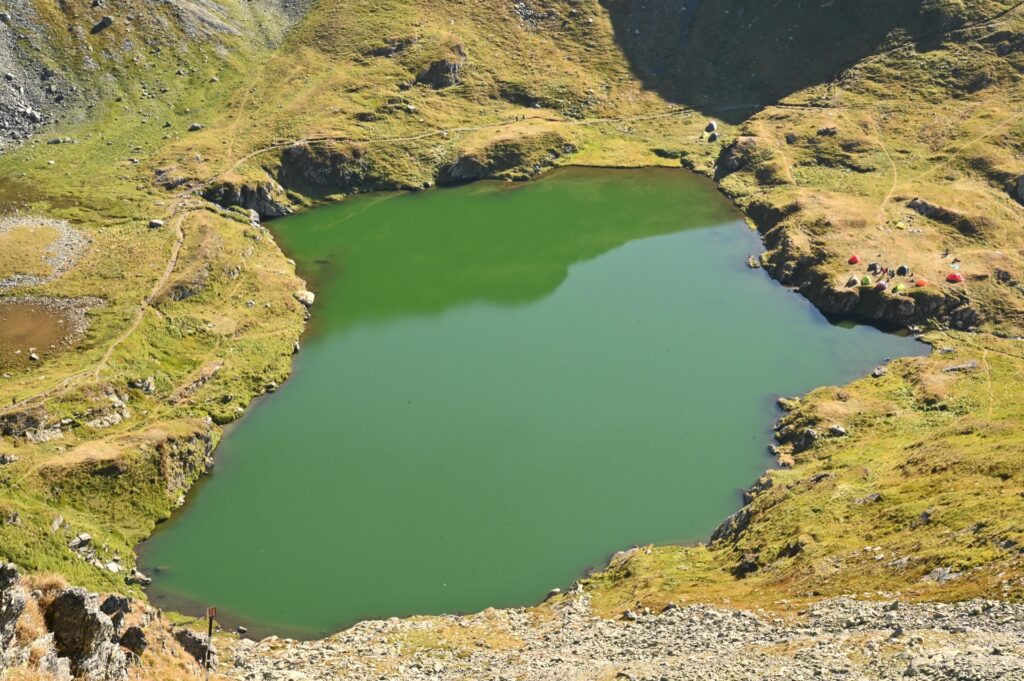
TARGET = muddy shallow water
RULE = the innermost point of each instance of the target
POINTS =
(27, 327)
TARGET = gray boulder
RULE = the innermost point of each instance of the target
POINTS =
(83, 634)
(134, 639)
(137, 577)
(195, 645)
(115, 604)
(116, 607)
(807, 439)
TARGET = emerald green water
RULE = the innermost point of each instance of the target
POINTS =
(503, 384)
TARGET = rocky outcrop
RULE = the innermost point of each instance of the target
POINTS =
(184, 459)
(55, 634)
(444, 72)
(265, 198)
(18, 423)
(1015, 188)
(736, 156)
(84, 635)
(134, 640)
(12, 604)
(517, 158)
(331, 168)
(965, 224)
(196, 645)
(733, 526)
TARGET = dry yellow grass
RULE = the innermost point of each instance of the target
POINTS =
(23, 251)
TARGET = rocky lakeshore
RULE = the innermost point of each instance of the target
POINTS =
(831, 639)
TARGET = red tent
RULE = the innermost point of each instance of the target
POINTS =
(921, 283)
(854, 259)
(955, 278)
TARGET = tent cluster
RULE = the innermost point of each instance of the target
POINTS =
(884, 275)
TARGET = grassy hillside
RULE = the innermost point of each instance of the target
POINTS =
(836, 115)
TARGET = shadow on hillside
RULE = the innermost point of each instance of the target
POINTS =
(730, 58)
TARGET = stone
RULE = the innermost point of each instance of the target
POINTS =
(445, 72)
(12, 603)
(195, 127)
(115, 604)
(196, 646)
(736, 156)
(307, 298)
(83, 634)
(961, 368)
(837, 431)
(748, 564)
(104, 23)
(79, 541)
(879, 372)
(137, 577)
(807, 439)
(156, 224)
(134, 639)
(941, 575)
(788, 403)
(146, 385)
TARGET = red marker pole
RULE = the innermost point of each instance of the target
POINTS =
(211, 612)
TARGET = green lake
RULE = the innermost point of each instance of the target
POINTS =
(502, 385)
